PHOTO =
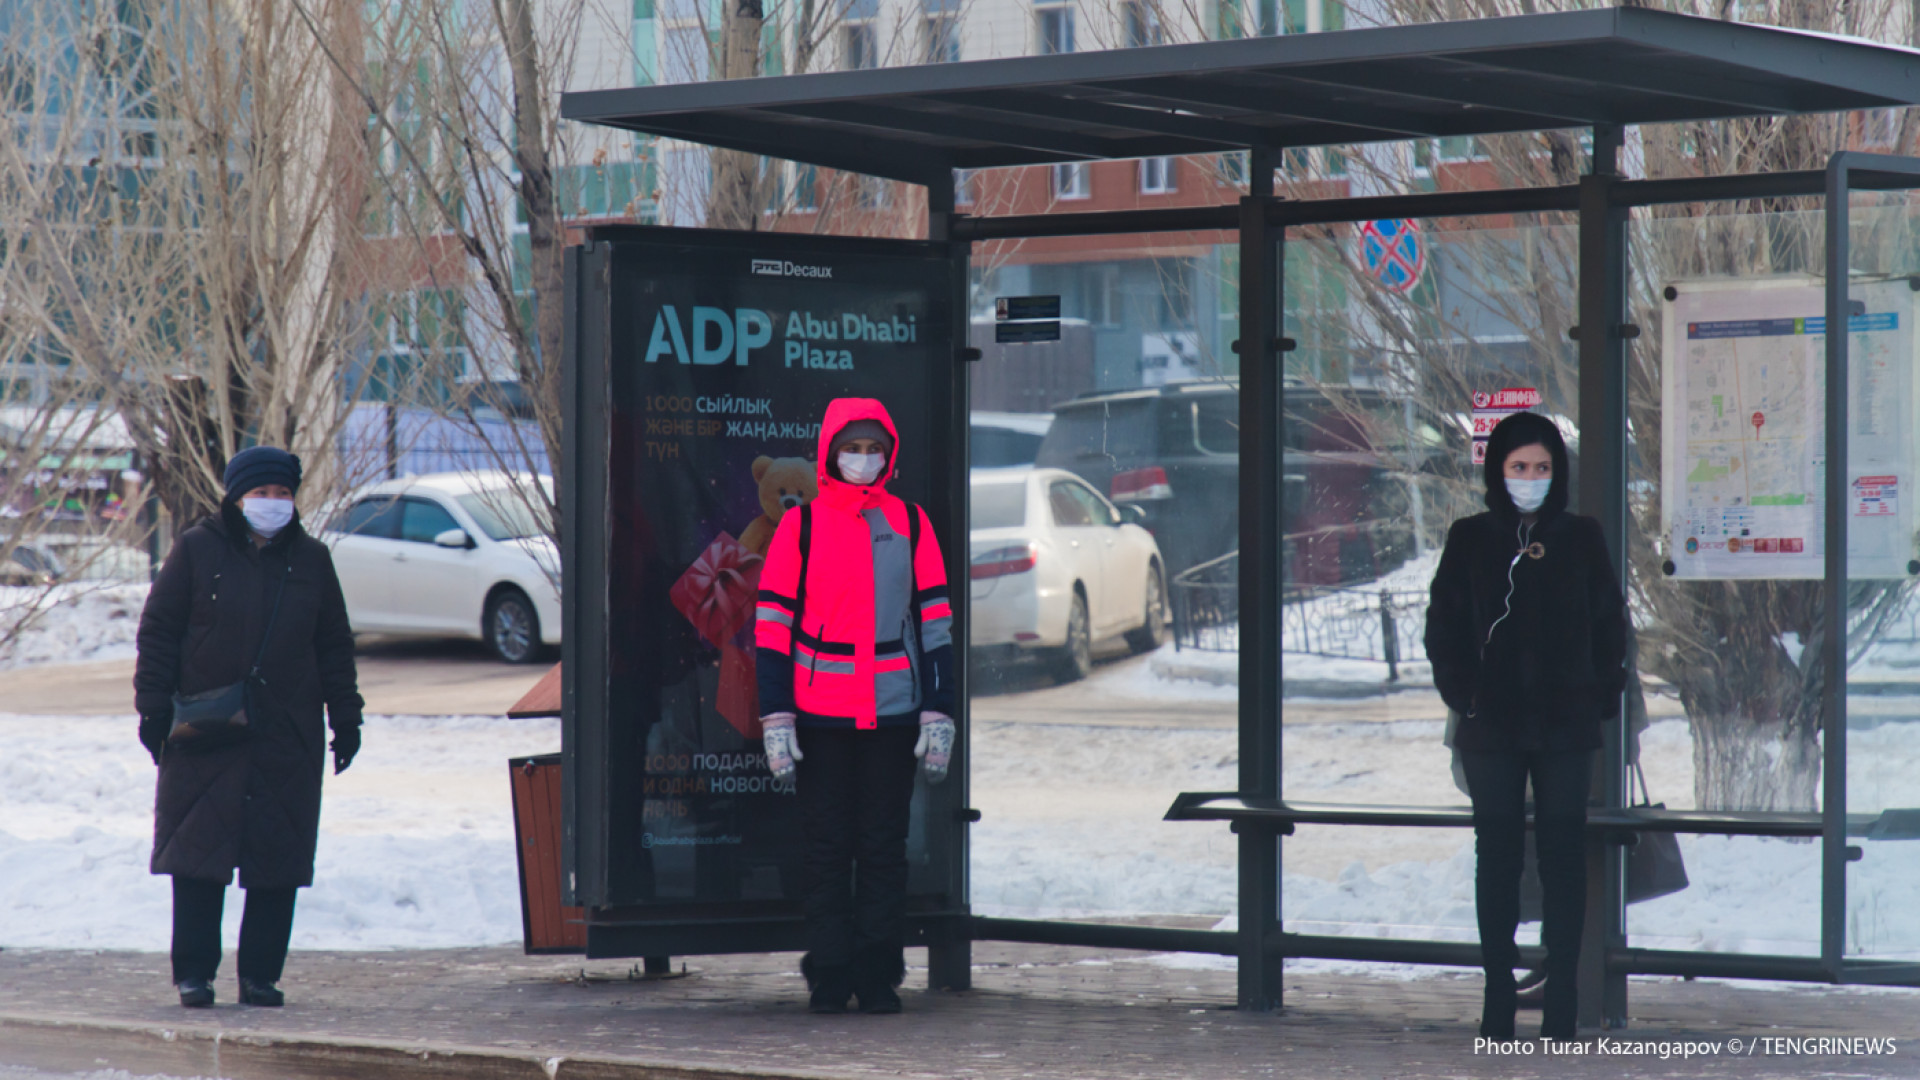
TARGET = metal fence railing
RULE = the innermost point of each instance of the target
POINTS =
(1355, 624)
(1340, 622)
(1206, 605)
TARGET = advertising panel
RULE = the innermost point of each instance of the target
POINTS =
(1744, 468)
(724, 351)
(1492, 406)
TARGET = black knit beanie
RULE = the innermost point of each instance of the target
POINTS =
(259, 465)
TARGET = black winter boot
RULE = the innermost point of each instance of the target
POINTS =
(876, 971)
(830, 985)
(196, 993)
(255, 992)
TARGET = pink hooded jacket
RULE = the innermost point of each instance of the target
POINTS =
(866, 639)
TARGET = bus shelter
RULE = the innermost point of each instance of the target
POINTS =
(1840, 543)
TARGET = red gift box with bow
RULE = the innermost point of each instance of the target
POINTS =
(719, 591)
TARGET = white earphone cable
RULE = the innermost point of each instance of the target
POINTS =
(1524, 540)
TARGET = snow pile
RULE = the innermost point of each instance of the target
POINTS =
(76, 622)
(1071, 820)
(1178, 675)
(416, 842)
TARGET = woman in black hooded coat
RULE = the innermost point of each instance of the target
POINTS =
(251, 805)
(1527, 633)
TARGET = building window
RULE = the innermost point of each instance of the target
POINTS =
(1140, 20)
(646, 48)
(1229, 20)
(806, 189)
(874, 193)
(1453, 148)
(860, 36)
(963, 181)
(773, 181)
(1070, 181)
(1879, 128)
(1233, 167)
(1054, 24)
(860, 49)
(940, 31)
(686, 55)
(1156, 175)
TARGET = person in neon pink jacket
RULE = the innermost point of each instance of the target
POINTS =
(855, 640)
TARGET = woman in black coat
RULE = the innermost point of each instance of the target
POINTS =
(252, 804)
(1527, 633)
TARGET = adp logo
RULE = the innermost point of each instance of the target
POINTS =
(783, 268)
(715, 335)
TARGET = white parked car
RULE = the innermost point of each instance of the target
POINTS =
(448, 555)
(1056, 569)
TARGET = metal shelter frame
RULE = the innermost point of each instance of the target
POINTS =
(1603, 70)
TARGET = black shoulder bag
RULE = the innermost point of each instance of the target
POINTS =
(222, 715)
(1654, 865)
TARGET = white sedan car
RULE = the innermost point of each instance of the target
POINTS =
(448, 555)
(1056, 568)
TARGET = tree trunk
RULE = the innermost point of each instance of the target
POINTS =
(539, 370)
(732, 203)
(1741, 762)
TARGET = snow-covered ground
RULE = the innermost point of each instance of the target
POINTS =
(416, 844)
(417, 839)
(83, 621)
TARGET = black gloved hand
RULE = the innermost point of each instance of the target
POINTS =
(346, 743)
(153, 734)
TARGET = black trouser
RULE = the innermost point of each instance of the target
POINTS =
(1498, 786)
(856, 792)
(265, 928)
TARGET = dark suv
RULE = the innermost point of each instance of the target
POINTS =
(1174, 452)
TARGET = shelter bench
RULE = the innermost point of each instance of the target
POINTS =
(1280, 817)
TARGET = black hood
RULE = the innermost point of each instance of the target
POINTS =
(1526, 429)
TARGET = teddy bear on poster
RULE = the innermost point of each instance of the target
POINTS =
(784, 484)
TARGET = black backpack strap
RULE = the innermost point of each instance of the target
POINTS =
(806, 548)
(913, 559)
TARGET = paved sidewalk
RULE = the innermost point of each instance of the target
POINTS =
(1036, 1011)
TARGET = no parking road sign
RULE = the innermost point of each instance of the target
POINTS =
(1393, 253)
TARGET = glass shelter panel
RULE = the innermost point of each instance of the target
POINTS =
(1883, 611)
(1407, 334)
(1105, 453)
(1726, 489)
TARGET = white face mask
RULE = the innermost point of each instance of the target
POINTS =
(1529, 495)
(861, 469)
(267, 516)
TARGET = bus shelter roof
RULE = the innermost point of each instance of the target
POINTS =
(1433, 80)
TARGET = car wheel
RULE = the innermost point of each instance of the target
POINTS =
(1075, 659)
(512, 627)
(1152, 632)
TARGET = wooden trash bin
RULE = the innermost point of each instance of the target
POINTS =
(547, 925)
